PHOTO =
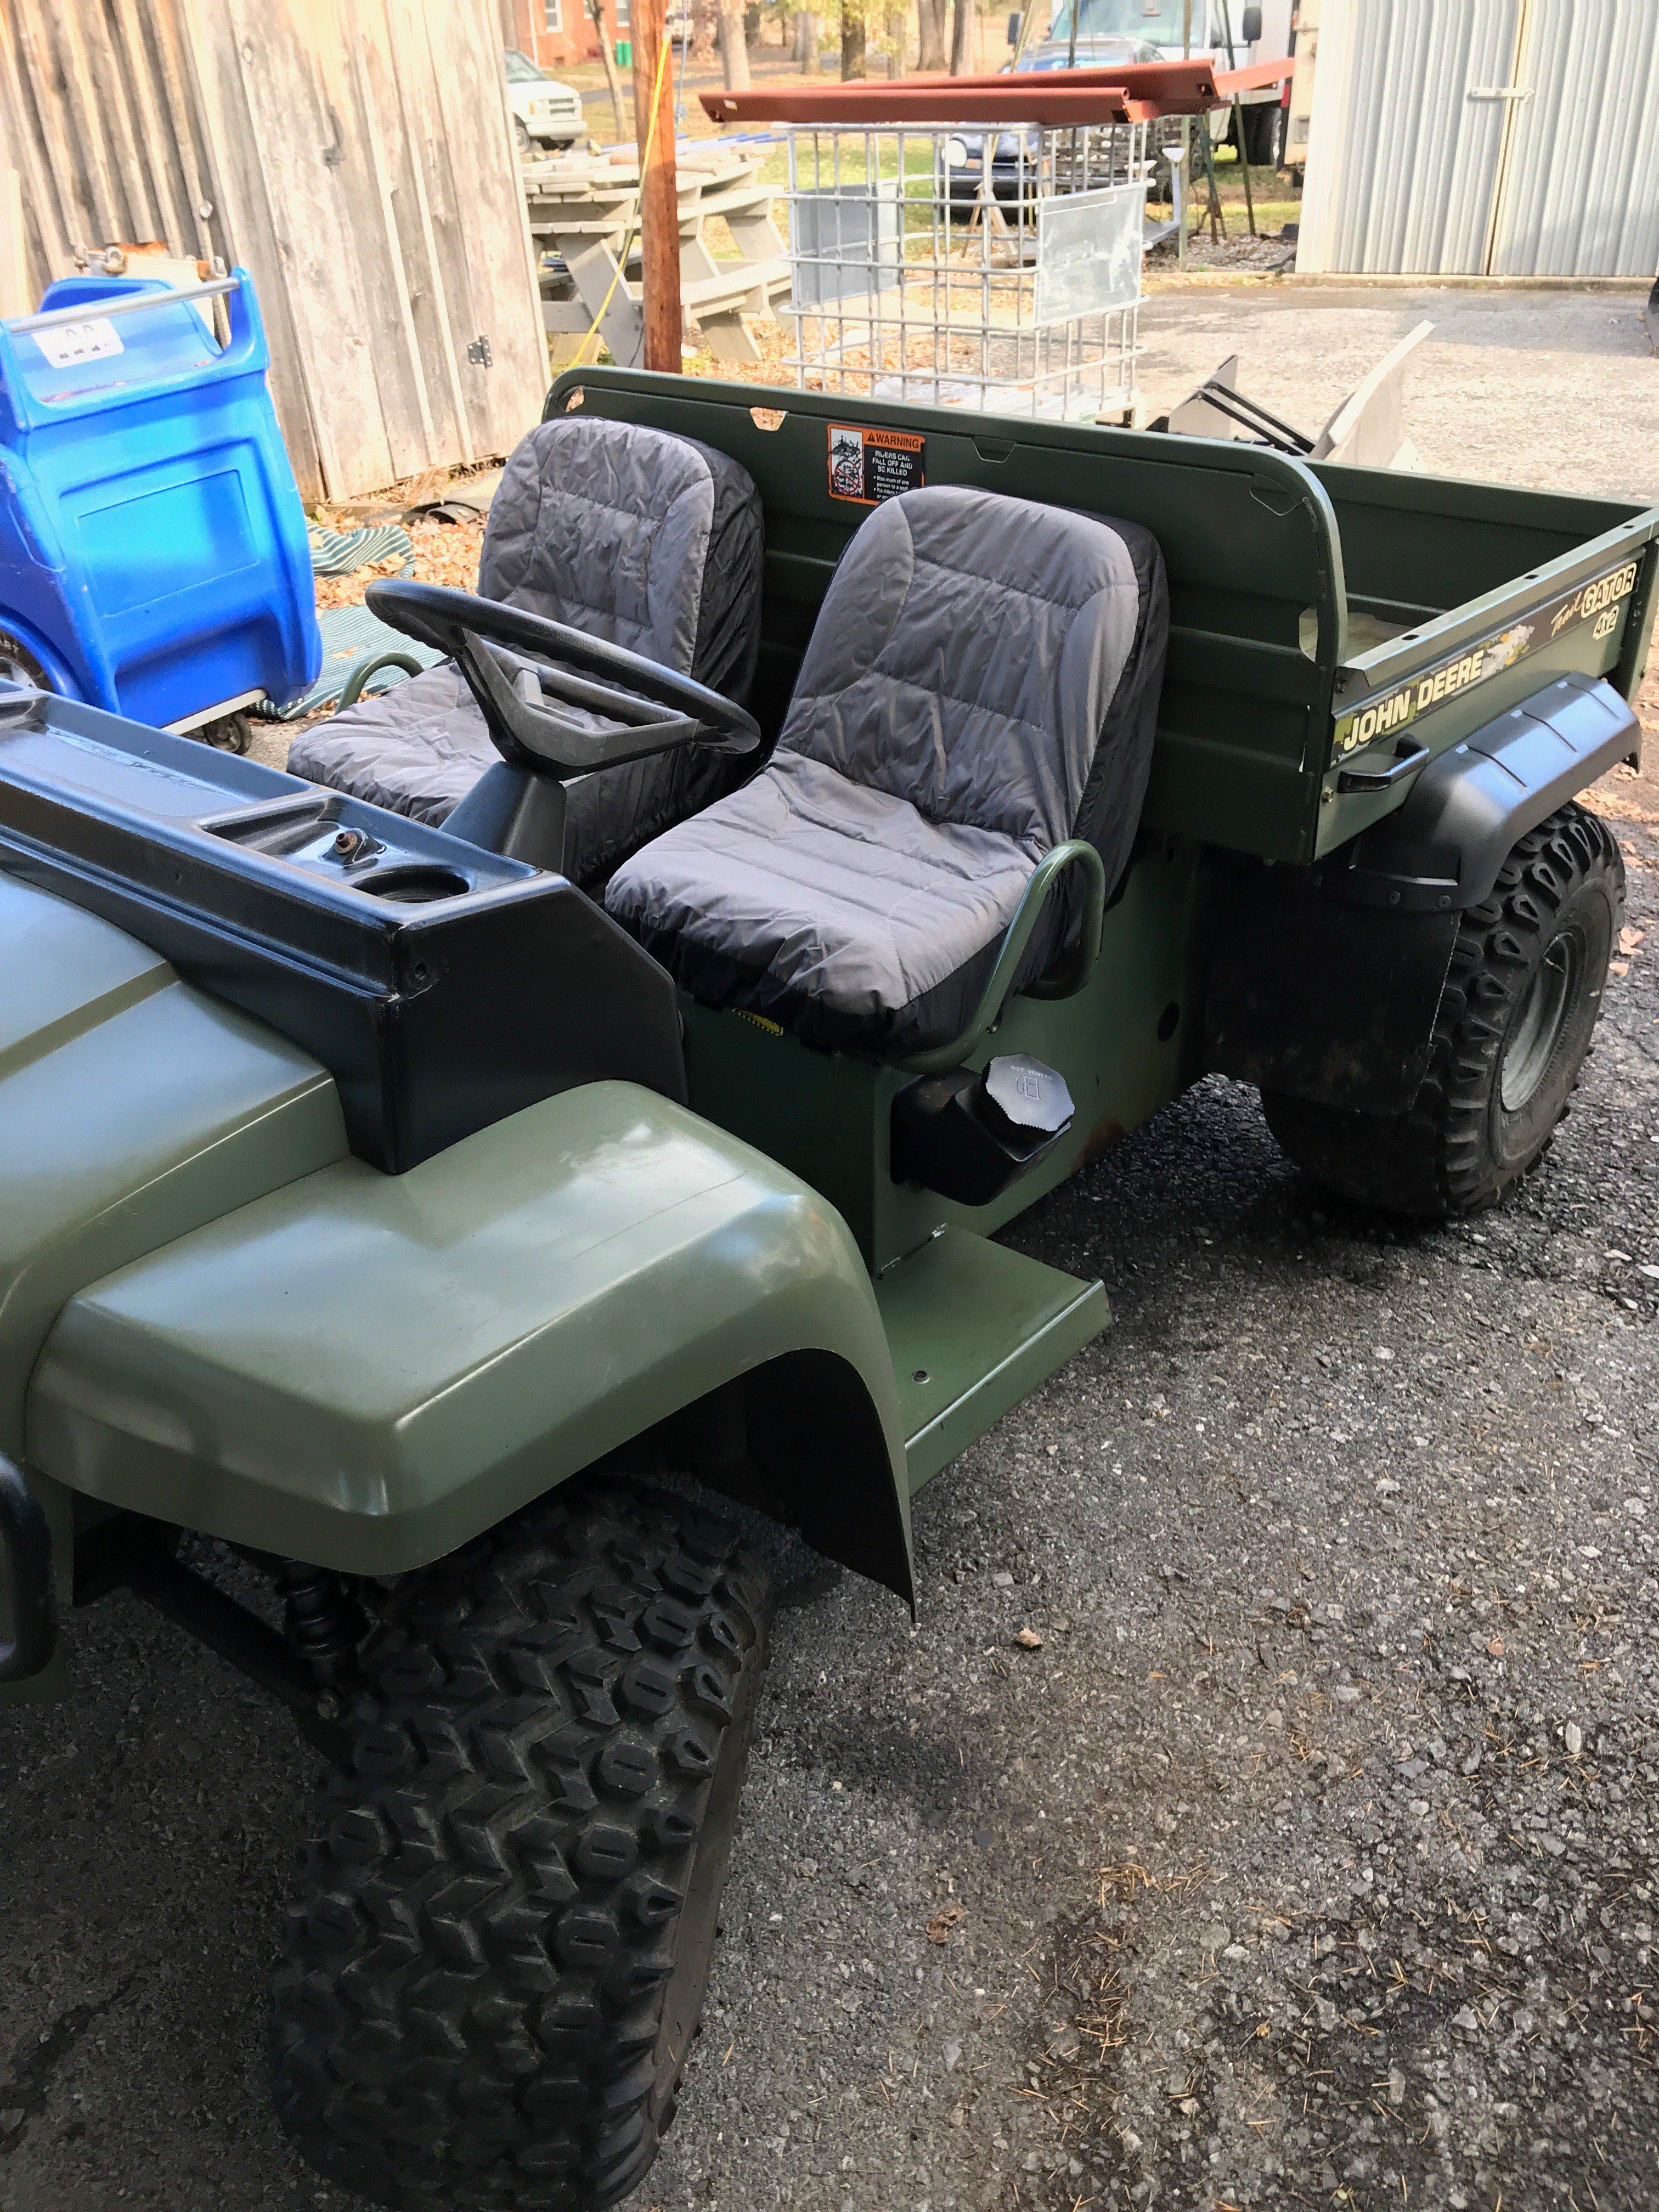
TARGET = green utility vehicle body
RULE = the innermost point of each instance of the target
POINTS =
(220, 1311)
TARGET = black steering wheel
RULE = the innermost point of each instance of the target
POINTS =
(520, 667)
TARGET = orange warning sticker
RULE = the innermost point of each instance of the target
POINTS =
(868, 465)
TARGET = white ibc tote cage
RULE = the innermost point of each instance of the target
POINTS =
(991, 267)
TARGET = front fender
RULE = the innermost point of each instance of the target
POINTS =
(364, 1371)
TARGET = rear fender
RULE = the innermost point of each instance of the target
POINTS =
(1325, 983)
(365, 1371)
(1470, 807)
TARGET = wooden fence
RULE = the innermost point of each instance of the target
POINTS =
(354, 155)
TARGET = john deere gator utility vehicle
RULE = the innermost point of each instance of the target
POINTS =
(591, 1089)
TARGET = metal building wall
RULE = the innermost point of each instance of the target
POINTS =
(1510, 137)
(1580, 196)
(1400, 170)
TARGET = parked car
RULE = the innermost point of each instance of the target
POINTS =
(544, 111)
(1014, 153)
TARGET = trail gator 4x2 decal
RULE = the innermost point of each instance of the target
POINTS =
(1600, 602)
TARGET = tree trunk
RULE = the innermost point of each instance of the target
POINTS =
(596, 10)
(959, 61)
(809, 45)
(734, 46)
(930, 27)
(853, 41)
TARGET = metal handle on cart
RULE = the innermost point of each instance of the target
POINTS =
(26, 1547)
(128, 304)
(1408, 758)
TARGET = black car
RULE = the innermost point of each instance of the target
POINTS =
(1014, 152)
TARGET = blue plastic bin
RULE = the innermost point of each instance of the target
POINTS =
(153, 551)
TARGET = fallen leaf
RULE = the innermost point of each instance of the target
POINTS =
(1618, 967)
(940, 1926)
(1629, 939)
(1495, 1647)
(1029, 1640)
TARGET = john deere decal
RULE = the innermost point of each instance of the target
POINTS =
(1600, 602)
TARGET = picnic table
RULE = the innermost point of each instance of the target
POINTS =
(581, 208)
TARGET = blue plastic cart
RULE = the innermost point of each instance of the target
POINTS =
(153, 551)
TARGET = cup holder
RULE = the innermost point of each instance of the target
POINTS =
(413, 883)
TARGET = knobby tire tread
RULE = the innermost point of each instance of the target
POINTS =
(467, 2006)
(1436, 1159)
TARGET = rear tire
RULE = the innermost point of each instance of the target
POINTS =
(1520, 1003)
(1260, 127)
(493, 1967)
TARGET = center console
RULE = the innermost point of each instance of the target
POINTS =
(444, 987)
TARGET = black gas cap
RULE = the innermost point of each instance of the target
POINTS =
(1028, 1095)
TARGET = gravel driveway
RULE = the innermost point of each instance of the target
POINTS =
(1311, 1857)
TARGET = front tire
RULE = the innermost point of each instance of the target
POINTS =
(1520, 1003)
(495, 1957)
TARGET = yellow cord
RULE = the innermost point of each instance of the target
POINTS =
(633, 220)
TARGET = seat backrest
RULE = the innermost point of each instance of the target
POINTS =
(652, 541)
(995, 662)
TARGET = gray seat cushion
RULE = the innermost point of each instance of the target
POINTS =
(651, 541)
(981, 684)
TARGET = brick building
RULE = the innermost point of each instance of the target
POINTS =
(554, 30)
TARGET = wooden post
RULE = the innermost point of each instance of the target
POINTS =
(660, 207)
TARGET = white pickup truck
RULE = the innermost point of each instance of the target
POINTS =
(544, 111)
(1229, 34)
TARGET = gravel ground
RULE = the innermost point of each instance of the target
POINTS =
(1310, 1857)
(1558, 389)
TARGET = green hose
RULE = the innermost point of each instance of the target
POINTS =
(352, 691)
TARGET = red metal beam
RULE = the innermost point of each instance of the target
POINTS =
(1138, 90)
(887, 104)
(1254, 76)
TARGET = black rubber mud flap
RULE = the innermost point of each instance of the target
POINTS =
(1314, 996)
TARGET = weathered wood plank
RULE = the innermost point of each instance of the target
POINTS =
(16, 296)
(354, 155)
(157, 146)
(88, 129)
(73, 215)
(494, 294)
(186, 129)
(139, 209)
(383, 257)
(294, 102)
(202, 48)
(44, 226)
(429, 296)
